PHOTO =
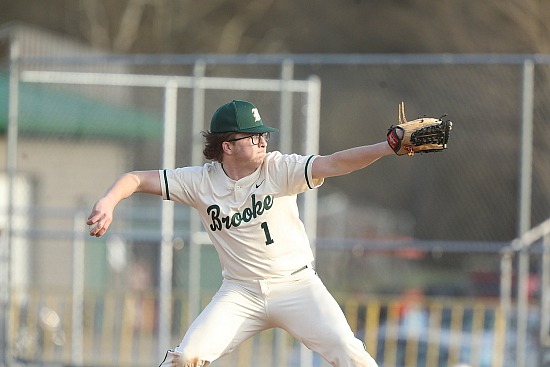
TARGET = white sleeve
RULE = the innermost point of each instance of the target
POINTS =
(179, 184)
(311, 183)
(292, 173)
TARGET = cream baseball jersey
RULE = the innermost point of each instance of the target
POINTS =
(253, 222)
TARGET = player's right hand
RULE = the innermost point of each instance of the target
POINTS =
(100, 218)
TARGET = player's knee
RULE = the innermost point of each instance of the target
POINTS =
(172, 359)
(192, 359)
(352, 354)
(181, 359)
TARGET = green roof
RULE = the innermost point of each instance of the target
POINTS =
(46, 110)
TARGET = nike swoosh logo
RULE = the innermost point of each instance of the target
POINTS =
(260, 184)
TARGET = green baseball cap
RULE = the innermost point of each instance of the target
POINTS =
(238, 116)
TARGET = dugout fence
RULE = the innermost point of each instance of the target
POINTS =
(497, 103)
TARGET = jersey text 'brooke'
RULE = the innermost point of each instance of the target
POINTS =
(257, 208)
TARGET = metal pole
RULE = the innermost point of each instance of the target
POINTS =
(13, 129)
(525, 205)
(310, 196)
(195, 224)
(79, 241)
(506, 265)
(526, 163)
(285, 146)
(287, 72)
(522, 307)
(4, 299)
(167, 221)
(545, 303)
(312, 147)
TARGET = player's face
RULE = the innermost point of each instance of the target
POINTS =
(247, 152)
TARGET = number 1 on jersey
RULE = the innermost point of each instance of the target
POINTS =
(268, 239)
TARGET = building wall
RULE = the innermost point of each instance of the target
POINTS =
(63, 182)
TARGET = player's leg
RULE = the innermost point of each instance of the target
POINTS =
(235, 313)
(309, 312)
(175, 359)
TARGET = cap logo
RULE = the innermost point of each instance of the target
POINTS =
(256, 114)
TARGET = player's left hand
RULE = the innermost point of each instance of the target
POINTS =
(424, 135)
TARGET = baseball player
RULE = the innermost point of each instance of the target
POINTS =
(246, 198)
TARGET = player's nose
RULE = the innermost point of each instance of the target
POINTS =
(263, 140)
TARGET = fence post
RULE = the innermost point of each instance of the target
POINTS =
(285, 131)
(506, 258)
(525, 204)
(11, 164)
(526, 159)
(311, 146)
(166, 251)
(193, 293)
(545, 304)
(79, 227)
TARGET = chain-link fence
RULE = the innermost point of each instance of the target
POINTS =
(418, 230)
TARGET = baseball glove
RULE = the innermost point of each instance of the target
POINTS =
(423, 135)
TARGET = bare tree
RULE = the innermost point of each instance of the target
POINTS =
(234, 29)
(95, 28)
(120, 29)
(129, 28)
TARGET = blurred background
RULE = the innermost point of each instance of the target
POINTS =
(437, 260)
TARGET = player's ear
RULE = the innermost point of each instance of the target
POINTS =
(227, 147)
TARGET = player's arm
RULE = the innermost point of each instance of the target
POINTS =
(349, 160)
(127, 184)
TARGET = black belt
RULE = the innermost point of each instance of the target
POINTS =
(299, 270)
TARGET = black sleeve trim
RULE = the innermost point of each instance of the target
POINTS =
(307, 177)
(166, 186)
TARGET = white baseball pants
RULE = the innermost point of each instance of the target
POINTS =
(299, 304)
